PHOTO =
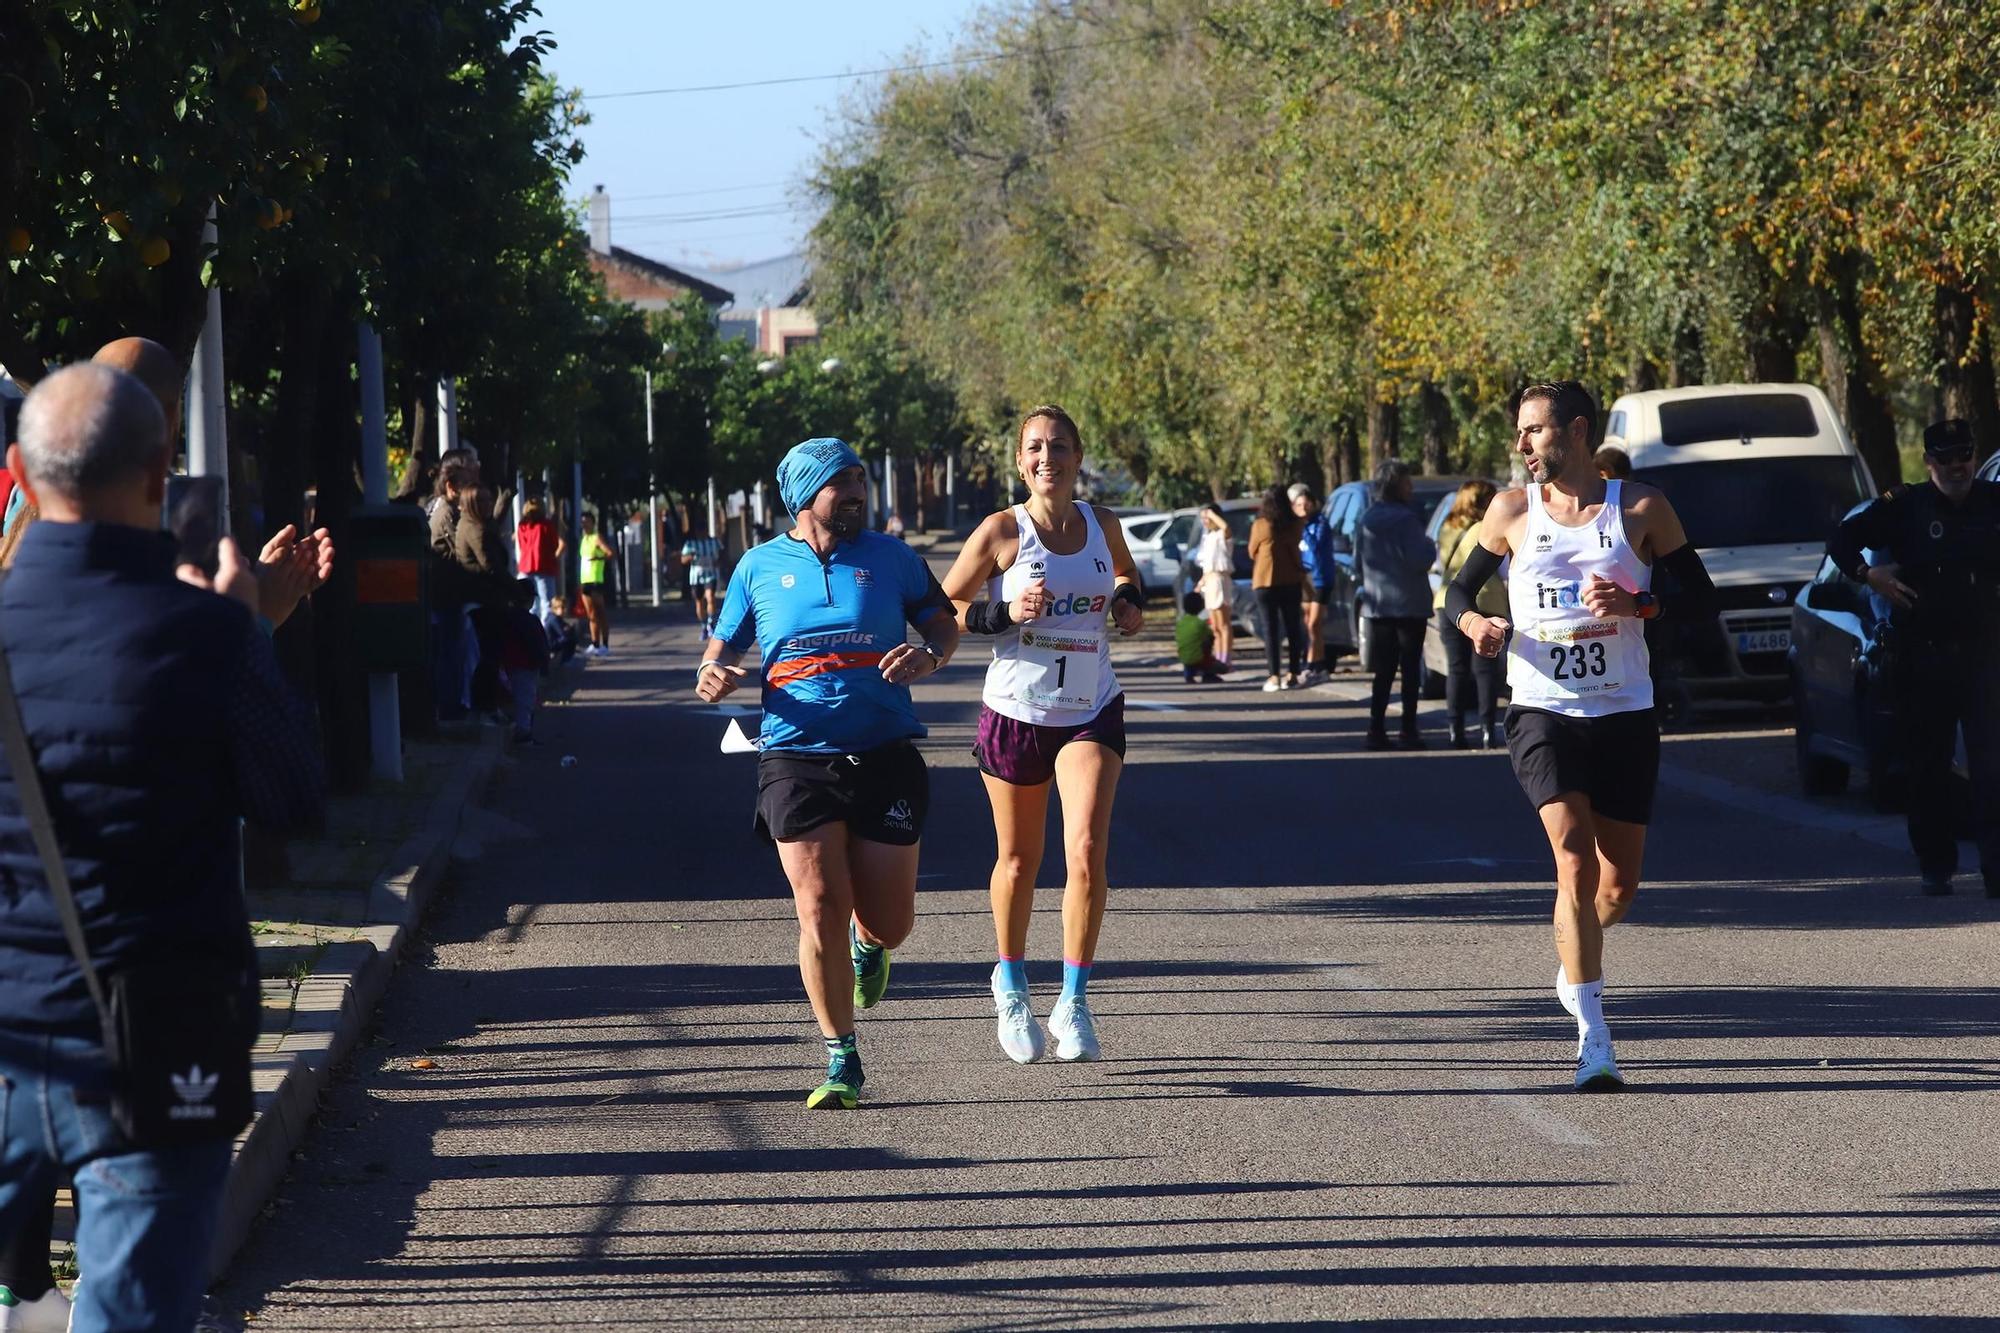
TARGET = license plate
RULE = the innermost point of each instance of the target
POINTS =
(1764, 641)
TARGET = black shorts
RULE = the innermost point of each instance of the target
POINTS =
(1613, 759)
(1322, 593)
(882, 795)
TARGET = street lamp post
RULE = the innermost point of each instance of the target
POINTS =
(652, 496)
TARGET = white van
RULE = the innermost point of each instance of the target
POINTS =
(1760, 475)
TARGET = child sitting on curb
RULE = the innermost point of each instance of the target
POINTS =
(1194, 643)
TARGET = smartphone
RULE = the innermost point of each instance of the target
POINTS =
(194, 516)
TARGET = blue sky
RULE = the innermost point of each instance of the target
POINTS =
(743, 150)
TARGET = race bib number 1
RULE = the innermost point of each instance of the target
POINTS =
(1059, 667)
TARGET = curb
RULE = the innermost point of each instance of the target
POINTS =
(336, 1002)
(1880, 830)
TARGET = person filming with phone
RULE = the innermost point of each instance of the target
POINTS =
(142, 713)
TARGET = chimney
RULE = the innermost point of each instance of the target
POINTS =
(600, 221)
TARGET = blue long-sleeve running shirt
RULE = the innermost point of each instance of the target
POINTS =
(824, 627)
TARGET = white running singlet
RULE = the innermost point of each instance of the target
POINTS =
(1056, 669)
(1561, 658)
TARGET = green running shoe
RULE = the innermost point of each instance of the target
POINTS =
(833, 1096)
(871, 970)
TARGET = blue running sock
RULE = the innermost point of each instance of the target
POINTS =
(1075, 977)
(1013, 974)
(843, 1061)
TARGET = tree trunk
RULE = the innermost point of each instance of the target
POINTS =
(1347, 438)
(1773, 352)
(1852, 378)
(1965, 366)
(1438, 428)
(1644, 374)
(1689, 359)
(1384, 431)
(421, 469)
(343, 692)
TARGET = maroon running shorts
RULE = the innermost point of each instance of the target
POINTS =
(1024, 754)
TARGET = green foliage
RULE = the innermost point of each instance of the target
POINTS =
(1219, 233)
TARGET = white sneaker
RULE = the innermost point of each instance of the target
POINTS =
(1596, 1067)
(48, 1314)
(1273, 685)
(1020, 1035)
(604, 652)
(1075, 1033)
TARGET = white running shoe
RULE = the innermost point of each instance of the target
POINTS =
(1596, 1067)
(47, 1314)
(1272, 685)
(1020, 1035)
(1076, 1035)
(1565, 992)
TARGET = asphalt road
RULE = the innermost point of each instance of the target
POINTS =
(1336, 1084)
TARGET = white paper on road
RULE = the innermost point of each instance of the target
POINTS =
(736, 741)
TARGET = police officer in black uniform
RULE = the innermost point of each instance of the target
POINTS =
(1939, 541)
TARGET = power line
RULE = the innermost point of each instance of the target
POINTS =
(886, 69)
(690, 194)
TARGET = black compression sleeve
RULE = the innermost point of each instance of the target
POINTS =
(1129, 592)
(1463, 594)
(987, 618)
(1693, 598)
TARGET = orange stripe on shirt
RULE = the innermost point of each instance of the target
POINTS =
(798, 668)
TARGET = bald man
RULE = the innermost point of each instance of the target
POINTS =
(290, 567)
(156, 716)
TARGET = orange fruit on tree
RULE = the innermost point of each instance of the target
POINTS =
(270, 213)
(155, 251)
(118, 222)
(257, 97)
(305, 12)
(18, 241)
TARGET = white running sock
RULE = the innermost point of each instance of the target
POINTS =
(1565, 987)
(1590, 1010)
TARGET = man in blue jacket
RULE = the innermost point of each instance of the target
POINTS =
(1392, 561)
(157, 716)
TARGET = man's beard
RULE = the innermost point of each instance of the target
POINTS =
(845, 522)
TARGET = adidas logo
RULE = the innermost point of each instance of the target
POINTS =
(194, 1088)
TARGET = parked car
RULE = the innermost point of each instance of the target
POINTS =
(1760, 475)
(1990, 469)
(1158, 541)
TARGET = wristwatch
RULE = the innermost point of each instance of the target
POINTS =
(937, 658)
(1648, 606)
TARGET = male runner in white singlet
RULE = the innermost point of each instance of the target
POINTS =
(1581, 729)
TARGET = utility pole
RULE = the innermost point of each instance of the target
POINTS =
(652, 497)
(208, 429)
(447, 414)
(385, 709)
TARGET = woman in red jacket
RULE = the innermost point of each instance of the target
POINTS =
(540, 549)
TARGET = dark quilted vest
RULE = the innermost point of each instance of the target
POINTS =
(123, 673)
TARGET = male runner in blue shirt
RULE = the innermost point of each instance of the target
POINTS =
(841, 790)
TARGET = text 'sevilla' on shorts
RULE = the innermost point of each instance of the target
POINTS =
(882, 795)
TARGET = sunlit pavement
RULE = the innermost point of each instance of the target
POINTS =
(1335, 1086)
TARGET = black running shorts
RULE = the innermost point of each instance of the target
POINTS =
(882, 795)
(1613, 759)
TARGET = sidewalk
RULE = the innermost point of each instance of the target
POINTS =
(327, 941)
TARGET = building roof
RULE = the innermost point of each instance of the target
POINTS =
(783, 281)
(713, 293)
